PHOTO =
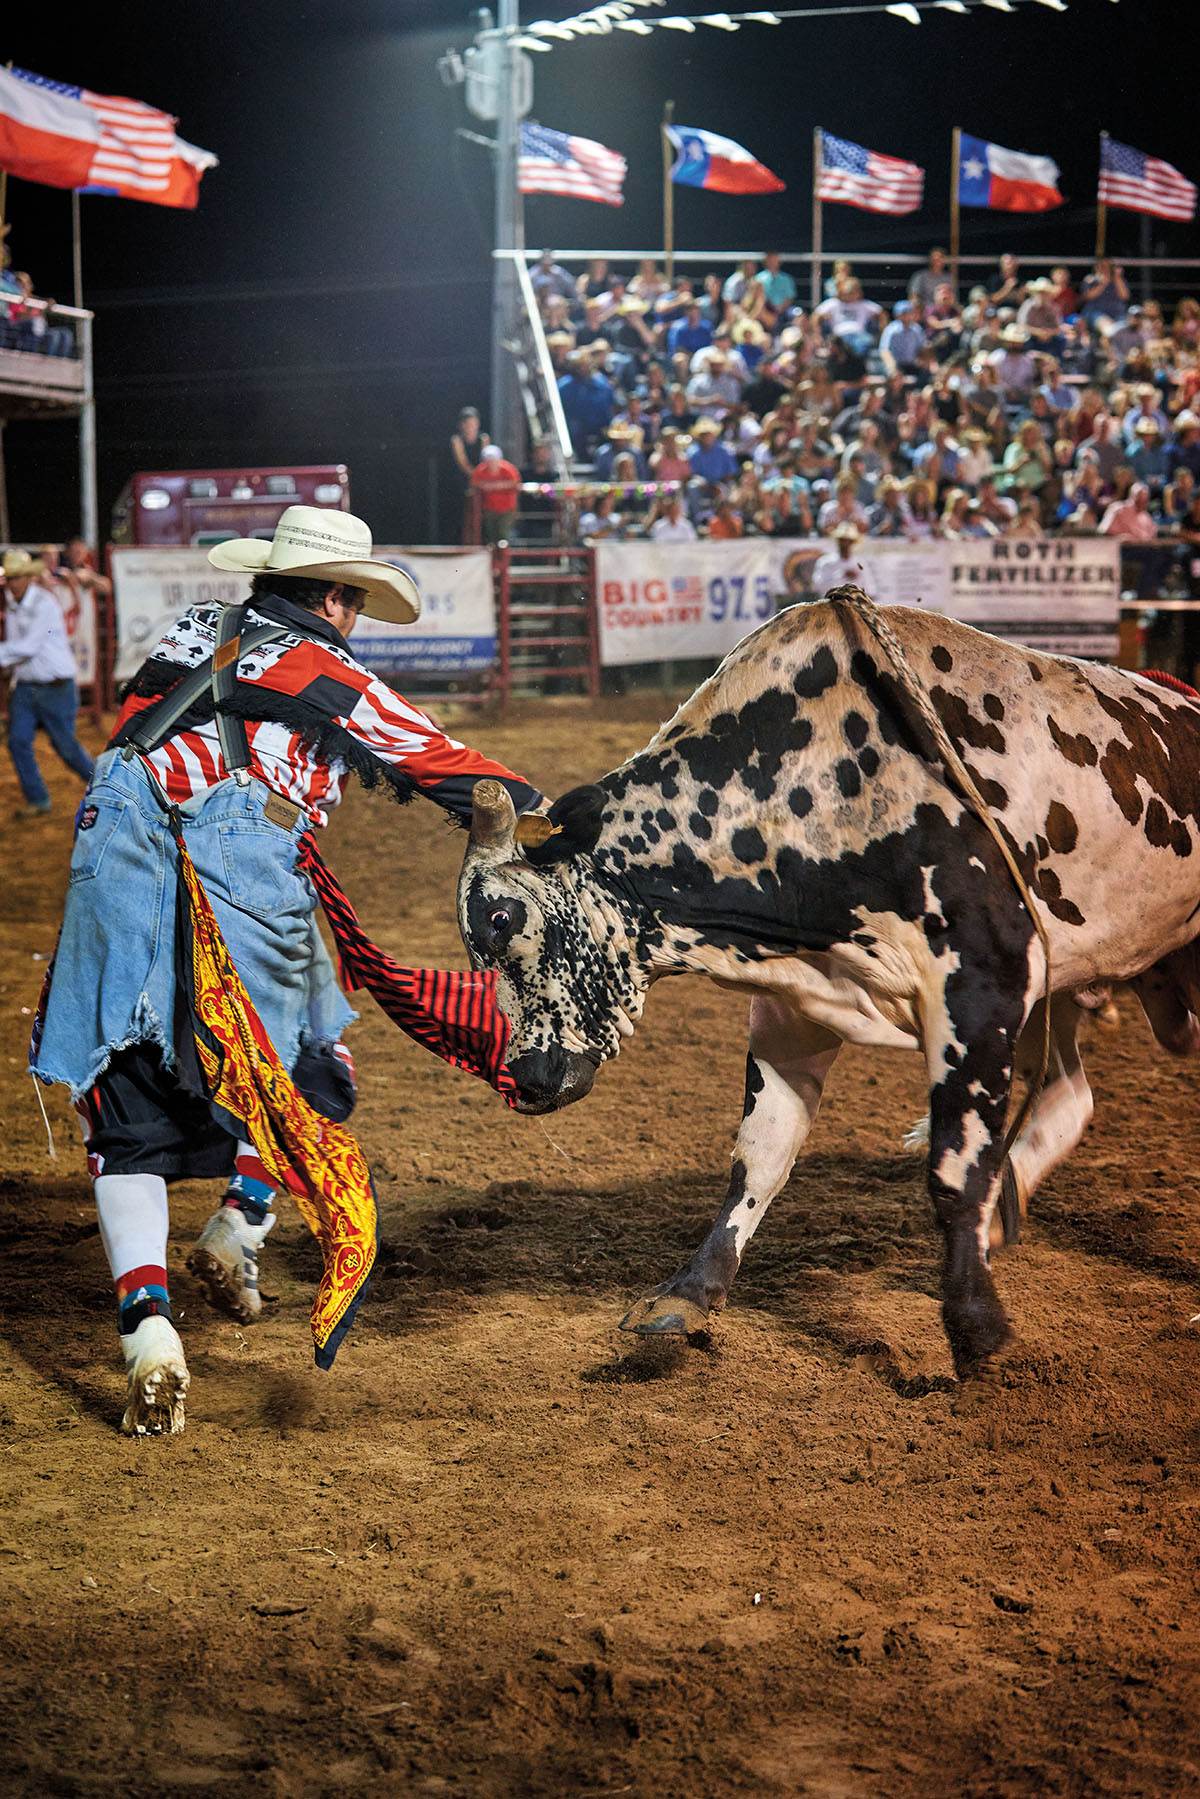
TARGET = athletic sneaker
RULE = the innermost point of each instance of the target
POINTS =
(157, 1379)
(225, 1262)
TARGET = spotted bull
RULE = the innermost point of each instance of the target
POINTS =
(793, 832)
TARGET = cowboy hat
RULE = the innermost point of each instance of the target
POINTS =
(703, 426)
(316, 540)
(20, 562)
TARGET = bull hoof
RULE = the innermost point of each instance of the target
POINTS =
(665, 1315)
(980, 1383)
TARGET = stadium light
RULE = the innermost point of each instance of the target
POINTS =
(721, 20)
(904, 11)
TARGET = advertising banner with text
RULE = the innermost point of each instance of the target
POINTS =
(669, 602)
(455, 634)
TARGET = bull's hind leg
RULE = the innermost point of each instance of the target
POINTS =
(970, 1049)
(1059, 1118)
(785, 1072)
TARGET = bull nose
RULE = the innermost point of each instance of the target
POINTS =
(547, 1079)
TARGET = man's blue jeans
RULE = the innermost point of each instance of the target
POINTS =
(52, 705)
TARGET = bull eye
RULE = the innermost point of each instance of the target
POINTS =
(499, 919)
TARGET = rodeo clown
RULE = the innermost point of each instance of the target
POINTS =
(191, 1007)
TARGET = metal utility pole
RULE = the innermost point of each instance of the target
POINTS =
(505, 411)
(499, 88)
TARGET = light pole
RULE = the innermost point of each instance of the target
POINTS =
(499, 88)
(510, 235)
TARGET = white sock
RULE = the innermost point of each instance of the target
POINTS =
(132, 1209)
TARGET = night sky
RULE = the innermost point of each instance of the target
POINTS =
(328, 300)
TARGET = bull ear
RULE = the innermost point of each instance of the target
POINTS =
(577, 818)
(493, 820)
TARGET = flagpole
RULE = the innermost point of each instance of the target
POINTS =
(818, 167)
(76, 248)
(1101, 209)
(668, 197)
(955, 175)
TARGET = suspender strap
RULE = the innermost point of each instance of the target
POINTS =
(217, 674)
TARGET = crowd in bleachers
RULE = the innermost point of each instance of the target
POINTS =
(27, 322)
(1017, 406)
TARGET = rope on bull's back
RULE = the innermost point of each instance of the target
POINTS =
(872, 617)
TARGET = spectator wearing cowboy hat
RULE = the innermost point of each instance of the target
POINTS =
(709, 459)
(1185, 451)
(621, 436)
(840, 564)
(297, 715)
(1148, 458)
(1014, 366)
(40, 660)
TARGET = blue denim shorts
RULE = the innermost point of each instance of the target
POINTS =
(114, 981)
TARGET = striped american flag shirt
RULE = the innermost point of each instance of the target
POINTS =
(313, 716)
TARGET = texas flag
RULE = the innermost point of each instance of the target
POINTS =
(705, 160)
(1006, 180)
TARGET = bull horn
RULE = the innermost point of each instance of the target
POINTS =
(493, 818)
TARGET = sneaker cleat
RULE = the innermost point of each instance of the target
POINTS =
(225, 1262)
(157, 1379)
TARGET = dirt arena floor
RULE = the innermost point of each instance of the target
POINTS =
(501, 1550)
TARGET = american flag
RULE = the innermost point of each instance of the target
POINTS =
(550, 162)
(1143, 184)
(859, 177)
(137, 144)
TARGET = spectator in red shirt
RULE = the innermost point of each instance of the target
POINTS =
(496, 482)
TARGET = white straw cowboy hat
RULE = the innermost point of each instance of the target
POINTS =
(319, 541)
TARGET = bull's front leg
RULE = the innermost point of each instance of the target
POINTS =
(786, 1068)
(970, 1060)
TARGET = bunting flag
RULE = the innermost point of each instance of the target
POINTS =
(64, 136)
(718, 164)
(859, 177)
(1141, 183)
(1005, 180)
(550, 162)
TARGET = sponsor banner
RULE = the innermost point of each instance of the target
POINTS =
(673, 601)
(894, 573)
(456, 632)
(79, 618)
(1061, 594)
(669, 602)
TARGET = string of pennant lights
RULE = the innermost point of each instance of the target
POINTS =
(640, 490)
(622, 15)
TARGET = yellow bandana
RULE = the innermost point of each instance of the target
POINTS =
(318, 1161)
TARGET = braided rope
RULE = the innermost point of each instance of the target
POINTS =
(872, 617)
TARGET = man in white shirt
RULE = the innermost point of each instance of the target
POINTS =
(851, 317)
(36, 650)
(840, 565)
(673, 524)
